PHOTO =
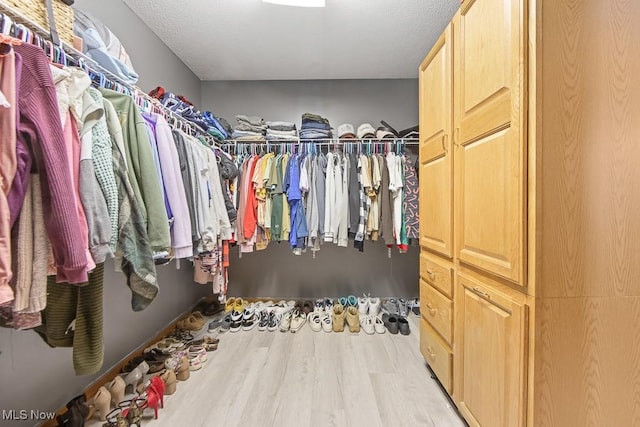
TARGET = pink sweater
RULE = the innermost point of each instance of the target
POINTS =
(40, 126)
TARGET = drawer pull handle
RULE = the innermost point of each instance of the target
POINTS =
(482, 293)
(431, 273)
(431, 353)
(432, 310)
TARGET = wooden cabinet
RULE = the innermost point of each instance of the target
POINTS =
(492, 354)
(437, 309)
(437, 354)
(543, 269)
(489, 105)
(436, 165)
(436, 208)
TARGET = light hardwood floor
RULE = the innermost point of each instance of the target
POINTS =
(310, 379)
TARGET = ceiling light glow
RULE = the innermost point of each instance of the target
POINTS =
(298, 3)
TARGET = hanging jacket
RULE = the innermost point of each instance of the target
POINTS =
(101, 154)
(142, 170)
(181, 242)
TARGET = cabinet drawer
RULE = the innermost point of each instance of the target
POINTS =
(438, 310)
(436, 354)
(437, 273)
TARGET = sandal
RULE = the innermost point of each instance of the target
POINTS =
(181, 335)
(205, 340)
(191, 323)
(116, 419)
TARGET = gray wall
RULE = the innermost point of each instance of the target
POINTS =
(341, 101)
(153, 61)
(276, 272)
(42, 377)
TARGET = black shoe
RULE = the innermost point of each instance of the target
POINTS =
(391, 322)
(403, 325)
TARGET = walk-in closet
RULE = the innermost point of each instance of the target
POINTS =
(319, 213)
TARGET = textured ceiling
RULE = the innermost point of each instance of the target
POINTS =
(252, 40)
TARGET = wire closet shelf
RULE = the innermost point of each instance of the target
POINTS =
(67, 54)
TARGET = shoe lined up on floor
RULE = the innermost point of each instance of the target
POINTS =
(325, 314)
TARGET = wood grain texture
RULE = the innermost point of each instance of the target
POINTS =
(310, 379)
(589, 107)
(436, 156)
(437, 309)
(437, 271)
(489, 136)
(587, 362)
(491, 353)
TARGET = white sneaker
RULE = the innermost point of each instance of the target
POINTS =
(285, 323)
(315, 321)
(328, 306)
(274, 322)
(374, 306)
(236, 321)
(298, 319)
(285, 307)
(363, 306)
(327, 324)
(378, 324)
(366, 322)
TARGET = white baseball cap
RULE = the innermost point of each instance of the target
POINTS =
(365, 130)
(346, 131)
(384, 134)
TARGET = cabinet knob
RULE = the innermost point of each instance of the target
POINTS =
(431, 273)
(431, 353)
(432, 310)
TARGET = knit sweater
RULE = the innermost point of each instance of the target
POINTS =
(40, 123)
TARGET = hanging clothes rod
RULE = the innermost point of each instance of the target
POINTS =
(324, 141)
(145, 101)
(20, 21)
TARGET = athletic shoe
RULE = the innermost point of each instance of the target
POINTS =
(236, 321)
(298, 319)
(315, 321)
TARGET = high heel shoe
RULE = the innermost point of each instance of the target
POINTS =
(152, 399)
(77, 411)
(134, 377)
(132, 410)
(157, 384)
(182, 371)
(170, 381)
(116, 419)
(100, 403)
(116, 390)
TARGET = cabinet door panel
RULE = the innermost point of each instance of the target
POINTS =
(492, 355)
(490, 138)
(436, 166)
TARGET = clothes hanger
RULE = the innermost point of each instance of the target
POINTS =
(5, 39)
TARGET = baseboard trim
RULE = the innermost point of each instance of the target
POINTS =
(92, 388)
